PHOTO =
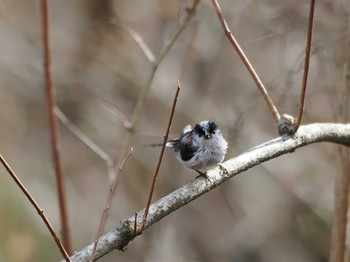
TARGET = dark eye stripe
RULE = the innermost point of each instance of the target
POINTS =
(199, 130)
(212, 127)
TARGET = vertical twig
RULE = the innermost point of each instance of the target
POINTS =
(341, 191)
(107, 205)
(288, 125)
(338, 250)
(160, 159)
(36, 206)
(306, 64)
(53, 126)
(246, 62)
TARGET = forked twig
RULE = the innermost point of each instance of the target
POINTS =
(306, 64)
(160, 160)
(36, 206)
(107, 205)
(246, 62)
(53, 126)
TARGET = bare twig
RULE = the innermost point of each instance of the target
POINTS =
(341, 192)
(246, 62)
(126, 123)
(54, 134)
(87, 141)
(36, 206)
(160, 158)
(123, 232)
(137, 38)
(169, 42)
(82, 137)
(306, 65)
(338, 250)
(288, 125)
(107, 205)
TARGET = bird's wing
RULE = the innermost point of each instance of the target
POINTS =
(187, 147)
(186, 129)
(173, 143)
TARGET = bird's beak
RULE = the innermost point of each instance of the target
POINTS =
(207, 136)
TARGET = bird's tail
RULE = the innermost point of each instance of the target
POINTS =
(169, 144)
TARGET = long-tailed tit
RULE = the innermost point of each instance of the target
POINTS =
(200, 148)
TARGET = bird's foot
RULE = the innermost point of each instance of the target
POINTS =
(223, 169)
(201, 174)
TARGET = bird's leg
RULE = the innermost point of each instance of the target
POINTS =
(201, 174)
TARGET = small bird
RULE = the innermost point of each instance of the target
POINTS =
(200, 148)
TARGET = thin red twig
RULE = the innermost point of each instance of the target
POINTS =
(246, 62)
(107, 205)
(36, 206)
(306, 64)
(51, 104)
(160, 159)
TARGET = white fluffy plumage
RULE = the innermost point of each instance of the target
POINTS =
(200, 148)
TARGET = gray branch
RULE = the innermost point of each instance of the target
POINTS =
(122, 234)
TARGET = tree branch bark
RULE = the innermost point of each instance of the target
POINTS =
(122, 234)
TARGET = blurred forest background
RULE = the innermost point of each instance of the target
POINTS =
(279, 211)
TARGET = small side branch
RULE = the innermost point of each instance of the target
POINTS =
(82, 137)
(288, 125)
(137, 38)
(123, 232)
(107, 205)
(246, 62)
(160, 160)
(306, 64)
(36, 206)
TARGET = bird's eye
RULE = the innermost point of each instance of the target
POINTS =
(212, 127)
(199, 129)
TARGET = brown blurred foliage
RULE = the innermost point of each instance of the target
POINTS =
(279, 211)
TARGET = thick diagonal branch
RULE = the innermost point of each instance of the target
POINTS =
(123, 233)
